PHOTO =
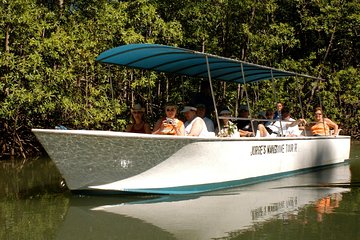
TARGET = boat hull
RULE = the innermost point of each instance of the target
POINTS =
(113, 162)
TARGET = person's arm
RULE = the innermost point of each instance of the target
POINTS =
(297, 122)
(157, 127)
(197, 127)
(332, 125)
(211, 126)
(147, 128)
(128, 127)
(244, 133)
(180, 131)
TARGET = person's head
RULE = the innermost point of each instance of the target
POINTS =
(201, 110)
(261, 115)
(189, 112)
(285, 113)
(269, 114)
(243, 113)
(205, 87)
(318, 113)
(279, 106)
(137, 113)
(225, 113)
(170, 110)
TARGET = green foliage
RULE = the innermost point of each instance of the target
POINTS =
(48, 73)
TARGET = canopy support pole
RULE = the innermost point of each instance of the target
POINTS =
(300, 102)
(273, 86)
(323, 114)
(247, 98)
(237, 100)
(112, 91)
(212, 92)
(276, 100)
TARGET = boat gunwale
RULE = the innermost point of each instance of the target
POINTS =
(116, 134)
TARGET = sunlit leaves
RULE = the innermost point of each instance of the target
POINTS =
(48, 73)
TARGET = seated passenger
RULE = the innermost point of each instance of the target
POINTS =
(194, 126)
(244, 126)
(269, 114)
(268, 125)
(169, 125)
(322, 125)
(277, 114)
(138, 124)
(259, 125)
(287, 126)
(227, 128)
(263, 132)
(201, 112)
(203, 97)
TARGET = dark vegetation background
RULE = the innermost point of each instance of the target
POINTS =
(48, 73)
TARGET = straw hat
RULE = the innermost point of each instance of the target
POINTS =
(137, 107)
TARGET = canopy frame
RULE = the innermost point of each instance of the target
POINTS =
(185, 62)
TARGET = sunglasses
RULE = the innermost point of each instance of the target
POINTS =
(170, 109)
(137, 112)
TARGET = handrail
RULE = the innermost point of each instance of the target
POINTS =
(255, 119)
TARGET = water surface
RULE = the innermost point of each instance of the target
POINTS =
(35, 204)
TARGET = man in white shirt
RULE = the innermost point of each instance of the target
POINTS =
(194, 126)
(201, 112)
(287, 126)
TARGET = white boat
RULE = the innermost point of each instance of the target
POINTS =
(217, 215)
(113, 162)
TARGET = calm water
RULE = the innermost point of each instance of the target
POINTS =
(35, 204)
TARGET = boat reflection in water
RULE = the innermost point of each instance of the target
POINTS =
(213, 215)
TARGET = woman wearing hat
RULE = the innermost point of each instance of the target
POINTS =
(138, 124)
(169, 125)
(227, 128)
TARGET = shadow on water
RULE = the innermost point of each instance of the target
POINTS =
(33, 200)
(355, 164)
(34, 204)
(36, 177)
